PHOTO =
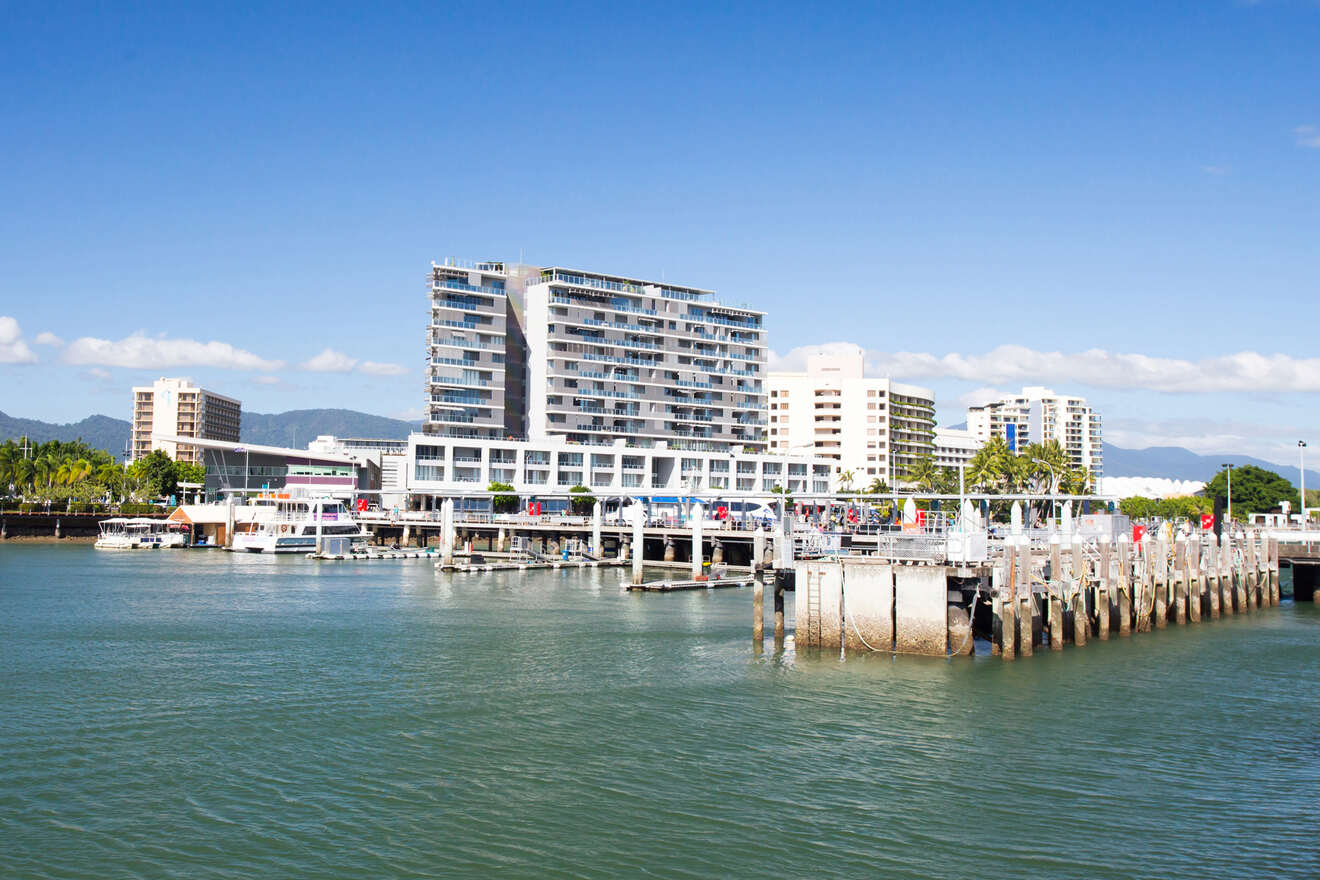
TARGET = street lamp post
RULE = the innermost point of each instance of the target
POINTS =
(1301, 451)
(1228, 468)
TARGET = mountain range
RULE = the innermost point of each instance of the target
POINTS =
(297, 427)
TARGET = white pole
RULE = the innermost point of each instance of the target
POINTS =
(595, 530)
(758, 548)
(1301, 449)
(638, 542)
(698, 514)
(320, 510)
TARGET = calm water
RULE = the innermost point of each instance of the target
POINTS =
(203, 714)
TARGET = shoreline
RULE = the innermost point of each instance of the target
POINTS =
(48, 539)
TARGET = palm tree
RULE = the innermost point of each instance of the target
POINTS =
(876, 487)
(923, 473)
(846, 480)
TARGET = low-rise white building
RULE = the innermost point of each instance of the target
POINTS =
(955, 447)
(446, 465)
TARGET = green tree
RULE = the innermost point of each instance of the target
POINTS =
(922, 474)
(1255, 490)
(154, 475)
(582, 501)
(877, 486)
(502, 503)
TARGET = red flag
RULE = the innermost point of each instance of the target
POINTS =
(1138, 532)
(1207, 522)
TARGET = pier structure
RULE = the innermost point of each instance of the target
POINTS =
(1035, 592)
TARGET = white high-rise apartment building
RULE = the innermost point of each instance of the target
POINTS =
(523, 352)
(872, 427)
(1037, 415)
(178, 408)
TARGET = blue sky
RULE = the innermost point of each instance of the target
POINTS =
(210, 190)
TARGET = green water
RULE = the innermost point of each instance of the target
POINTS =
(203, 714)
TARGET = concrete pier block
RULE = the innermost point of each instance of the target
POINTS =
(669, 549)
(717, 551)
(818, 605)
(921, 609)
(868, 603)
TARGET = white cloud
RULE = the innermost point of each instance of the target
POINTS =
(377, 369)
(98, 373)
(267, 380)
(48, 338)
(982, 396)
(796, 359)
(13, 350)
(1245, 371)
(329, 361)
(1308, 136)
(143, 352)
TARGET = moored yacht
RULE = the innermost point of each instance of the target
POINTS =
(292, 525)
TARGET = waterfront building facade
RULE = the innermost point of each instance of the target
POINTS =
(611, 357)
(523, 351)
(170, 411)
(873, 428)
(441, 465)
(954, 447)
(1037, 415)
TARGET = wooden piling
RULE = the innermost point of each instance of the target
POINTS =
(1006, 597)
(758, 607)
(1125, 585)
(1054, 588)
(1247, 568)
(1026, 610)
(1077, 571)
(1145, 593)
(1161, 582)
(1212, 575)
(779, 614)
(1179, 580)
(1104, 588)
(1195, 583)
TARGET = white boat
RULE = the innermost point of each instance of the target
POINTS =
(291, 525)
(138, 533)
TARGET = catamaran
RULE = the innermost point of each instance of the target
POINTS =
(292, 525)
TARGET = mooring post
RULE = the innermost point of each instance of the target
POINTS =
(996, 624)
(1226, 589)
(57, 527)
(1104, 591)
(1261, 565)
(758, 548)
(1081, 619)
(698, 515)
(1179, 579)
(758, 607)
(1249, 569)
(1054, 594)
(716, 551)
(1125, 581)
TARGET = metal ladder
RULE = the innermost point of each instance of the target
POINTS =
(813, 608)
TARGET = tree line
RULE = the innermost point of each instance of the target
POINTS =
(61, 472)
